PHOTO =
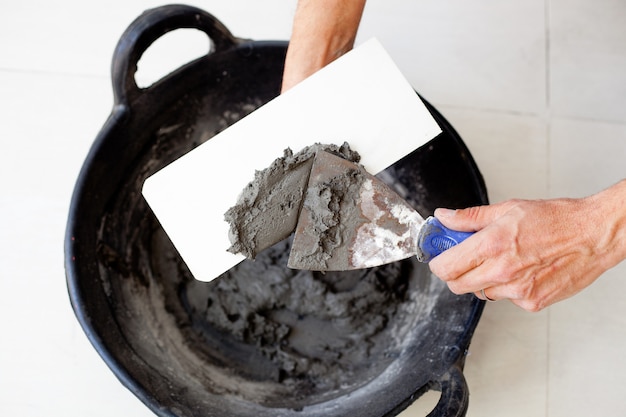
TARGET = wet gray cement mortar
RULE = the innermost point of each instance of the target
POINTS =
(268, 208)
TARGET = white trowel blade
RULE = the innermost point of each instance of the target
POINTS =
(361, 98)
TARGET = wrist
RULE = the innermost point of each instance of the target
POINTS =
(610, 221)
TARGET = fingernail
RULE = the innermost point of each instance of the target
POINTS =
(444, 212)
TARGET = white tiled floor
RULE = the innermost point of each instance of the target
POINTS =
(537, 89)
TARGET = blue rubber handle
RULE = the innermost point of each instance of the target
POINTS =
(434, 238)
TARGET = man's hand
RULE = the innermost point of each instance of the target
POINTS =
(534, 253)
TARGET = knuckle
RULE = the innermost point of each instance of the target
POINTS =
(515, 205)
(503, 273)
(440, 270)
(437, 270)
(472, 213)
(532, 306)
(526, 292)
(528, 288)
(455, 288)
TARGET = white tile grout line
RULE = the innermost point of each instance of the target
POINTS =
(548, 126)
(545, 115)
(30, 71)
(487, 110)
(548, 51)
(548, 106)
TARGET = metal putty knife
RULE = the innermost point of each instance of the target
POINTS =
(352, 220)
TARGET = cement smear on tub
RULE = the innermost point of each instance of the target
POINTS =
(268, 207)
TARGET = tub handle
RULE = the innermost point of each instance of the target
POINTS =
(454, 399)
(150, 26)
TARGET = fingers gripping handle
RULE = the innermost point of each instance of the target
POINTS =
(434, 238)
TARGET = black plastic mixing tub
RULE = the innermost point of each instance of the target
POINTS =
(261, 340)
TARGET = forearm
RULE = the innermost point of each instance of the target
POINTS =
(610, 222)
(323, 30)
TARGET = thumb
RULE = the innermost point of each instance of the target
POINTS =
(471, 219)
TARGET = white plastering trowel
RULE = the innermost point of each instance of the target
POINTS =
(361, 98)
